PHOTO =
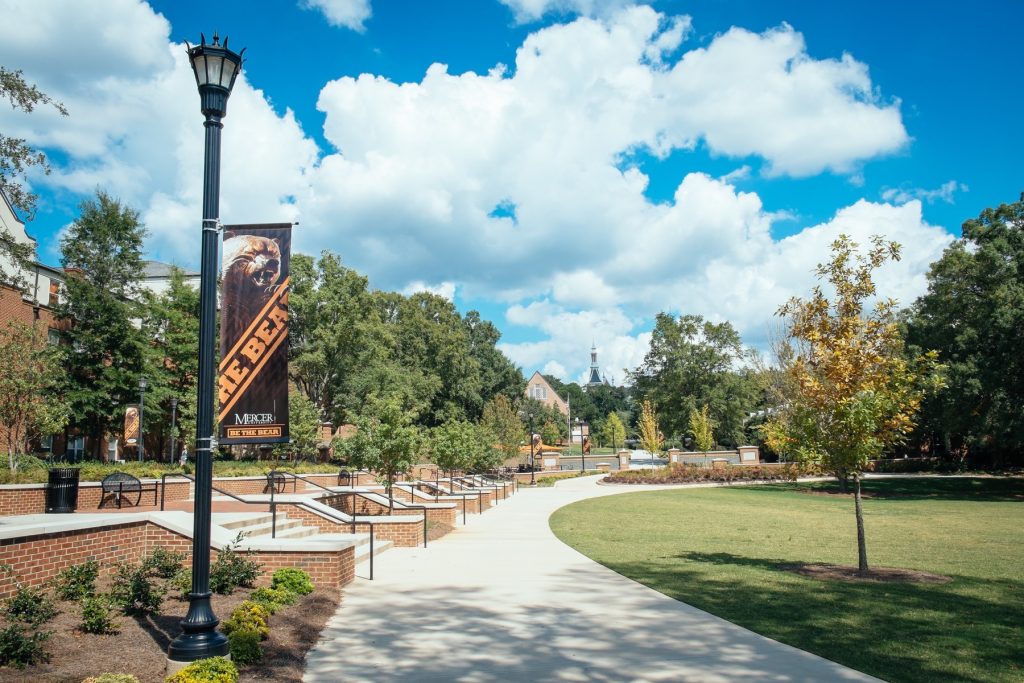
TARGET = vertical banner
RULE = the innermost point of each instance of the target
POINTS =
(253, 377)
(131, 425)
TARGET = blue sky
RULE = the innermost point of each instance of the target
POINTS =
(694, 157)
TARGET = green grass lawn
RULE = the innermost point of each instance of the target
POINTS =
(718, 549)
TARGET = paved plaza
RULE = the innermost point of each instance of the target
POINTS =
(502, 599)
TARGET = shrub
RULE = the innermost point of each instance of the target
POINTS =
(77, 581)
(134, 592)
(212, 670)
(248, 616)
(30, 606)
(273, 599)
(232, 569)
(182, 582)
(112, 678)
(163, 563)
(294, 580)
(245, 646)
(20, 647)
(98, 616)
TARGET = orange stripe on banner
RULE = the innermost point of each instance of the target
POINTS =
(248, 332)
(241, 390)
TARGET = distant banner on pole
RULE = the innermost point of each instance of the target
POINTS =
(253, 377)
(131, 425)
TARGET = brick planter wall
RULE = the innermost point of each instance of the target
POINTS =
(37, 559)
(30, 499)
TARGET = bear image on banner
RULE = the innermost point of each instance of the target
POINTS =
(251, 268)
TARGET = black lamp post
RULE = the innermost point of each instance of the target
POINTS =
(142, 411)
(533, 476)
(174, 426)
(216, 68)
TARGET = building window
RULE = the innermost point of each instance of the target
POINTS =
(53, 337)
(538, 392)
(76, 448)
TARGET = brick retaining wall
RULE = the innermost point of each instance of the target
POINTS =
(37, 558)
(30, 499)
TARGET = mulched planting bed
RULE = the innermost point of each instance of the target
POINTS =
(140, 648)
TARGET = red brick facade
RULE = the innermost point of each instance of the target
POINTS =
(30, 499)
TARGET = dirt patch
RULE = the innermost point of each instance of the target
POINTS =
(140, 648)
(841, 572)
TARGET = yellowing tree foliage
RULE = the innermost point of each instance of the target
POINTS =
(651, 438)
(854, 393)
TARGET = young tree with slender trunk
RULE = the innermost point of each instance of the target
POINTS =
(651, 438)
(855, 392)
(613, 431)
(30, 404)
(703, 430)
(386, 443)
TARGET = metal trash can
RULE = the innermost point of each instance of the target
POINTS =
(344, 478)
(62, 490)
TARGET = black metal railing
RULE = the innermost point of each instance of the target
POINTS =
(451, 492)
(413, 490)
(273, 507)
(354, 494)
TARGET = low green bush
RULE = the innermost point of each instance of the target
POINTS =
(32, 470)
(232, 569)
(212, 670)
(77, 581)
(134, 591)
(248, 616)
(31, 606)
(112, 678)
(98, 615)
(182, 582)
(245, 646)
(21, 646)
(292, 579)
(273, 599)
(163, 563)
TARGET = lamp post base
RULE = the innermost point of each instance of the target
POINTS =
(193, 645)
(174, 666)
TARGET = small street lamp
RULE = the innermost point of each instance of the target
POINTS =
(215, 68)
(174, 427)
(142, 412)
(533, 476)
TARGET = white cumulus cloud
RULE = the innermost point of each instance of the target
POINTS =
(344, 13)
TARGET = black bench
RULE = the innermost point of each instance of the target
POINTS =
(121, 485)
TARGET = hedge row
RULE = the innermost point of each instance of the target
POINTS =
(688, 474)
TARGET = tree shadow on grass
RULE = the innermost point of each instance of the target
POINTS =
(898, 631)
(972, 489)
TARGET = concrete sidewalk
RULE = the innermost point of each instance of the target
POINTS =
(502, 599)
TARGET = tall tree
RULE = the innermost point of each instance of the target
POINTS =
(17, 157)
(973, 314)
(102, 254)
(694, 362)
(856, 392)
(171, 334)
(31, 404)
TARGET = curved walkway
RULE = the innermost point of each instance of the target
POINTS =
(502, 599)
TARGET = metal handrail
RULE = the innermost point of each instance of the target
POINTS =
(474, 484)
(460, 494)
(407, 507)
(412, 496)
(273, 508)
